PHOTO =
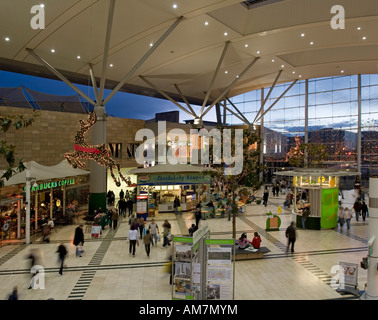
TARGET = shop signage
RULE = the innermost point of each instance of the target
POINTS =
(180, 178)
(52, 184)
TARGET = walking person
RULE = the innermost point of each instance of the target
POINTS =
(357, 208)
(133, 240)
(198, 214)
(130, 205)
(141, 227)
(154, 231)
(364, 210)
(147, 242)
(265, 196)
(166, 232)
(341, 217)
(291, 235)
(62, 252)
(14, 294)
(78, 239)
(176, 205)
(348, 216)
(115, 217)
(305, 214)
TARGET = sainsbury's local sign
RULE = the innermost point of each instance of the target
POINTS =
(51, 184)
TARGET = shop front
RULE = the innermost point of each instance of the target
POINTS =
(57, 192)
(162, 184)
(316, 196)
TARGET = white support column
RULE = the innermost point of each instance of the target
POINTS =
(306, 123)
(359, 126)
(19, 219)
(262, 133)
(372, 276)
(27, 218)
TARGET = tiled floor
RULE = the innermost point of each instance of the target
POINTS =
(106, 271)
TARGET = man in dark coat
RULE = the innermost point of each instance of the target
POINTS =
(62, 251)
(79, 236)
(291, 236)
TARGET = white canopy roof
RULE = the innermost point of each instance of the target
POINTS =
(295, 36)
(40, 172)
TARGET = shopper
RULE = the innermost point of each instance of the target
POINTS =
(133, 239)
(176, 205)
(305, 214)
(348, 216)
(341, 217)
(192, 229)
(166, 233)
(357, 208)
(141, 227)
(243, 242)
(115, 217)
(198, 213)
(62, 252)
(291, 236)
(14, 294)
(256, 241)
(265, 196)
(78, 238)
(147, 242)
(121, 194)
(364, 210)
(154, 231)
(130, 205)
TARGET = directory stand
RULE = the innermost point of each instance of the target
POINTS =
(220, 269)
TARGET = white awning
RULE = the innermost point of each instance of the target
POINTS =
(40, 172)
(169, 168)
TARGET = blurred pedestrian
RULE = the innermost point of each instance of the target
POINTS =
(78, 238)
(62, 252)
(115, 217)
(364, 210)
(166, 233)
(348, 216)
(141, 227)
(14, 294)
(154, 230)
(291, 235)
(265, 196)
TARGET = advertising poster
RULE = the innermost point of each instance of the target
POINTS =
(348, 274)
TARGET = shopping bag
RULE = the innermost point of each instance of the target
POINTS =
(158, 238)
(180, 208)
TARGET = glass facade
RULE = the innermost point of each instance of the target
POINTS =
(333, 118)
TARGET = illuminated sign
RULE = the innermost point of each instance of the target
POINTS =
(53, 184)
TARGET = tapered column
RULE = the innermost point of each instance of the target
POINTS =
(98, 185)
(372, 276)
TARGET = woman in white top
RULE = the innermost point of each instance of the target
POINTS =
(133, 239)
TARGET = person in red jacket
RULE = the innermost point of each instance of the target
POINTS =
(256, 241)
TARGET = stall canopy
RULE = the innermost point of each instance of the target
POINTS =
(40, 172)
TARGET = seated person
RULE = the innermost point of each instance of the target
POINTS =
(256, 241)
(243, 241)
(192, 229)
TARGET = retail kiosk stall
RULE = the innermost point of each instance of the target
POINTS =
(317, 190)
(158, 186)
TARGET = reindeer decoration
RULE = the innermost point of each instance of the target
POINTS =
(98, 153)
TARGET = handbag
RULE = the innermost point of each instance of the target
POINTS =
(158, 238)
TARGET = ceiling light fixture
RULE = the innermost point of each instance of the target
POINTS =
(302, 35)
(258, 51)
(42, 5)
(52, 50)
(272, 60)
(226, 72)
(226, 34)
(311, 43)
(111, 65)
(282, 66)
(206, 23)
(363, 38)
(358, 28)
(246, 45)
(342, 71)
(7, 39)
(151, 44)
(78, 57)
(174, 6)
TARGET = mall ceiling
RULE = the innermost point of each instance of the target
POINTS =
(295, 36)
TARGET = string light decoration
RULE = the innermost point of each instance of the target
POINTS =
(99, 153)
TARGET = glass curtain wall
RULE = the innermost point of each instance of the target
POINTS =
(332, 119)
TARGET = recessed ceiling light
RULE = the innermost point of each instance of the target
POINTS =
(151, 44)
(293, 72)
(246, 45)
(300, 76)
(363, 38)
(258, 51)
(342, 71)
(311, 43)
(52, 50)
(272, 60)
(7, 39)
(42, 5)
(226, 34)
(174, 6)
(302, 34)
(206, 23)
(358, 28)
(111, 65)
(226, 72)
(78, 57)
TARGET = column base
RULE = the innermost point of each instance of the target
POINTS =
(96, 200)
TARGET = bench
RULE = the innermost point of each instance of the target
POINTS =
(242, 254)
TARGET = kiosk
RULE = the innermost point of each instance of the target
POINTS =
(164, 182)
(318, 190)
